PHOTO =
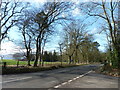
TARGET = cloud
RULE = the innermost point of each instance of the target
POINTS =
(76, 1)
(94, 31)
(76, 12)
(26, 0)
(64, 15)
(49, 48)
(9, 48)
(101, 39)
(102, 48)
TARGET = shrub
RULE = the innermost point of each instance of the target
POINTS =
(17, 70)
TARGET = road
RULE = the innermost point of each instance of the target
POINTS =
(72, 77)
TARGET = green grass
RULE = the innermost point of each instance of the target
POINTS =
(47, 66)
(14, 62)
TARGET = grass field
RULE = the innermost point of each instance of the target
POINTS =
(23, 68)
(14, 62)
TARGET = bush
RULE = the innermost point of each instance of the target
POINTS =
(60, 66)
(107, 67)
(17, 70)
(54, 67)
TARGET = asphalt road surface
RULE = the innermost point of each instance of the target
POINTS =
(72, 77)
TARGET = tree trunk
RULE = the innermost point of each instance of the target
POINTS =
(17, 63)
(118, 56)
(117, 49)
(38, 50)
(76, 59)
(40, 63)
(37, 57)
(37, 54)
(29, 63)
(118, 43)
(70, 59)
(61, 60)
(36, 61)
(28, 58)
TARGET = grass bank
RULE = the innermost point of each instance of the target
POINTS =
(23, 63)
(107, 70)
(18, 70)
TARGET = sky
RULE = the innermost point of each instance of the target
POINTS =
(9, 47)
(76, 1)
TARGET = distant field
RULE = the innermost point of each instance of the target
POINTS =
(14, 62)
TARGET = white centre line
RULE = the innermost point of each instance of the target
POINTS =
(57, 86)
(15, 80)
(72, 79)
(81, 76)
(64, 83)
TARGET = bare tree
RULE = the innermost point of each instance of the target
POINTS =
(44, 41)
(9, 14)
(49, 15)
(61, 51)
(25, 28)
(74, 34)
(107, 11)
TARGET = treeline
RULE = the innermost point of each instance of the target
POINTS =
(108, 13)
(36, 25)
(78, 45)
(50, 57)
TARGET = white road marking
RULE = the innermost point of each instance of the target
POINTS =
(57, 86)
(72, 79)
(64, 83)
(81, 76)
(88, 72)
(77, 77)
(16, 80)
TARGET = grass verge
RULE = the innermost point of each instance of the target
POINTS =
(18, 70)
(14, 62)
(109, 71)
